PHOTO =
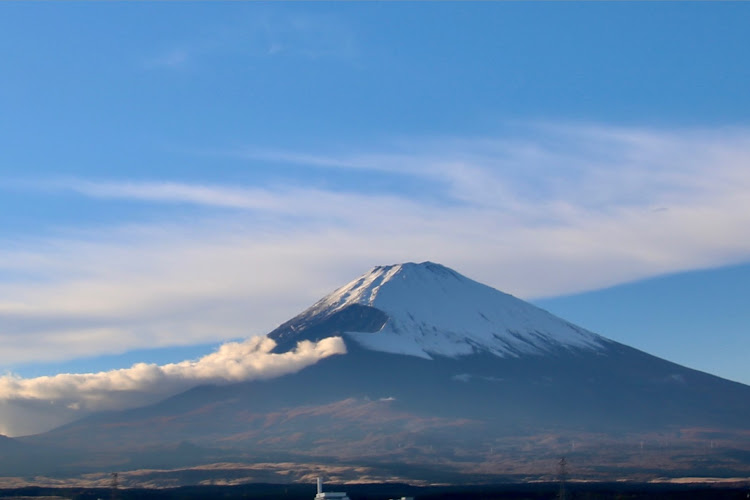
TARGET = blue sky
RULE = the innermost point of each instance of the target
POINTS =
(177, 175)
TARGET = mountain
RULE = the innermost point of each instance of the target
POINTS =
(8, 444)
(444, 379)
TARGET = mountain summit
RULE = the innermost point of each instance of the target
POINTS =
(430, 310)
(443, 377)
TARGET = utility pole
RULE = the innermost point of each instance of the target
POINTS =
(562, 474)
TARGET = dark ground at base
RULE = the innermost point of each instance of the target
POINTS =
(597, 491)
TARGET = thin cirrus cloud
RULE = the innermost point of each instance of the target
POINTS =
(175, 58)
(561, 182)
(588, 167)
(554, 210)
(36, 404)
(174, 192)
(262, 34)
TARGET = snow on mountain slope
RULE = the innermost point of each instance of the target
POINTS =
(433, 310)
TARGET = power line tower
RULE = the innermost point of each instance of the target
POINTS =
(562, 475)
(115, 486)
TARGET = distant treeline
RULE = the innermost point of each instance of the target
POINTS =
(614, 491)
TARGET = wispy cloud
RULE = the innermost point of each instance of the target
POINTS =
(173, 192)
(263, 33)
(309, 35)
(174, 58)
(593, 168)
(37, 404)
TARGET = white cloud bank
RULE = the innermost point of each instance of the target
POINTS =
(36, 404)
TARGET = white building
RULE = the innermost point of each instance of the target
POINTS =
(329, 495)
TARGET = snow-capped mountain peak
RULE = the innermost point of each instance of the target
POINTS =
(366, 289)
(428, 309)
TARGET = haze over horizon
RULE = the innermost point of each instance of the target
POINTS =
(180, 177)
